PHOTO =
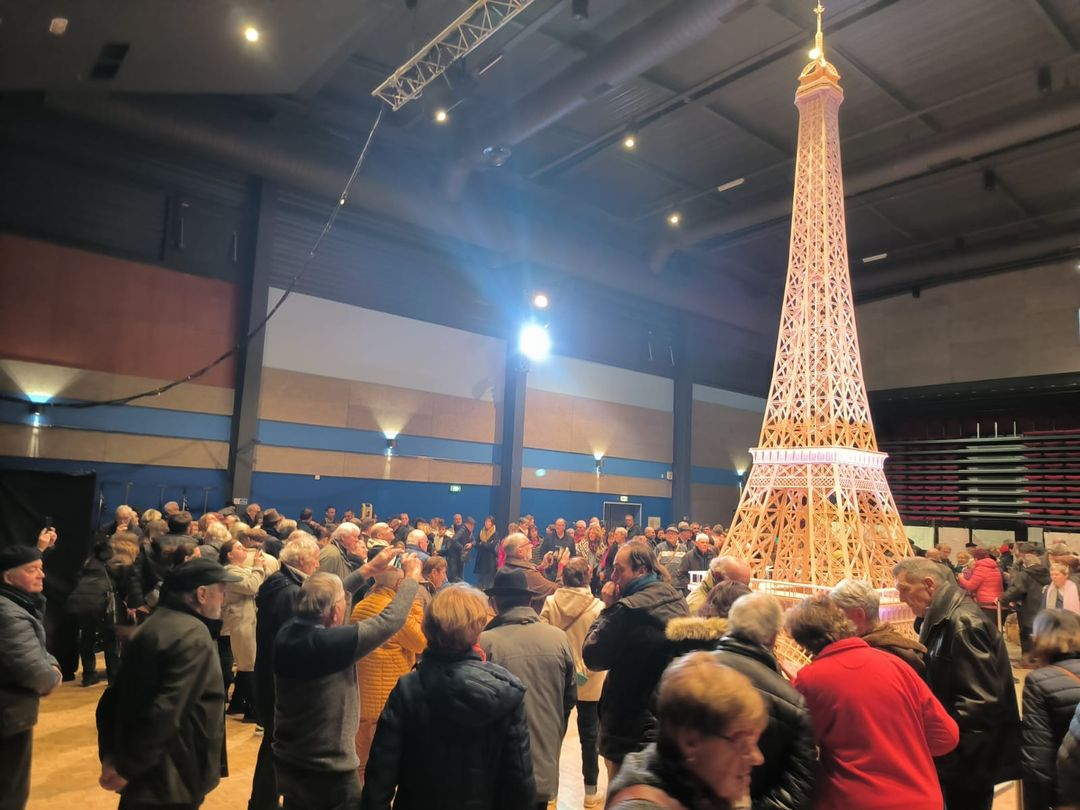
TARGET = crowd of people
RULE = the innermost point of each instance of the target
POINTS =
(412, 664)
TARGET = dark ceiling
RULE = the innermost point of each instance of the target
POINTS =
(961, 127)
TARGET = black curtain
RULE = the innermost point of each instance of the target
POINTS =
(30, 500)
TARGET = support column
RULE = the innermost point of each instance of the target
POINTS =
(507, 499)
(683, 412)
(249, 364)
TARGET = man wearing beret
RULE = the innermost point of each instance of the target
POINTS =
(27, 670)
(161, 725)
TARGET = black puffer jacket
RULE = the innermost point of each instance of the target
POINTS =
(1051, 695)
(967, 668)
(473, 714)
(1026, 589)
(785, 780)
(95, 592)
(628, 640)
(1068, 764)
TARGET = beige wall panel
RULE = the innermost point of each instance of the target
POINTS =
(20, 377)
(126, 449)
(456, 472)
(722, 436)
(1010, 325)
(467, 419)
(619, 485)
(554, 479)
(713, 504)
(363, 465)
(548, 418)
(577, 425)
(288, 396)
(79, 445)
(297, 461)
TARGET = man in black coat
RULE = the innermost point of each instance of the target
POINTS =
(629, 641)
(696, 558)
(558, 539)
(785, 780)
(161, 726)
(454, 549)
(967, 668)
(631, 526)
(1026, 592)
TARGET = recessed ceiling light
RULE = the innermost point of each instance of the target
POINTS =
(731, 184)
(251, 34)
(674, 219)
(441, 116)
(629, 142)
(58, 25)
(877, 257)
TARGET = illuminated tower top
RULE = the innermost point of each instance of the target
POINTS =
(817, 397)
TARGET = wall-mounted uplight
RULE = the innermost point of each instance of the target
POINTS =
(391, 445)
(35, 414)
(599, 456)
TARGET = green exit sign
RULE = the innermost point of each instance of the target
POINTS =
(455, 487)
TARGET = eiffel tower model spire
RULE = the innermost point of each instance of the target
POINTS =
(816, 507)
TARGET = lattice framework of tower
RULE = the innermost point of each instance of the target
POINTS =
(816, 506)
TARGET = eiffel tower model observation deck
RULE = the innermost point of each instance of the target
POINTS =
(816, 507)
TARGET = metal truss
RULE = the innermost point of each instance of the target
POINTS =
(482, 19)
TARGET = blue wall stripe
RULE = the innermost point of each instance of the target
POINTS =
(125, 419)
(714, 475)
(352, 440)
(585, 462)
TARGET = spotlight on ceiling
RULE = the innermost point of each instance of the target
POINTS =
(579, 9)
(731, 184)
(251, 34)
(441, 116)
(674, 219)
(534, 341)
(877, 257)
(629, 142)
(540, 301)
(58, 25)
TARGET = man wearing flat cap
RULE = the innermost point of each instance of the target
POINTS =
(161, 725)
(27, 670)
(540, 655)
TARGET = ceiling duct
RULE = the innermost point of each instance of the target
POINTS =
(1025, 123)
(589, 249)
(671, 30)
(884, 281)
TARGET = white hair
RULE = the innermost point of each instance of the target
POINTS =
(701, 536)
(756, 616)
(513, 543)
(345, 528)
(849, 594)
(297, 552)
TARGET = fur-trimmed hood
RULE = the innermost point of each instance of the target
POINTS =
(696, 628)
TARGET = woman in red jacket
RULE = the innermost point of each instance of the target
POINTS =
(983, 581)
(878, 725)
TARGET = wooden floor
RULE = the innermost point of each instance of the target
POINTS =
(65, 766)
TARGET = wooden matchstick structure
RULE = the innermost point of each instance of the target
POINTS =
(816, 507)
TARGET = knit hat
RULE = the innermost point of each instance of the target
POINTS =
(16, 556)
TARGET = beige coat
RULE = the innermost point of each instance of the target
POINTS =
(238, 614)
(559, 611)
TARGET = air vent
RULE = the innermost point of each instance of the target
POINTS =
(109, 60)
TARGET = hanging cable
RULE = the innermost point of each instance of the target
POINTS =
(237, 347)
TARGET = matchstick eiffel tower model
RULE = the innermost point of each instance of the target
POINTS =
(816, 507)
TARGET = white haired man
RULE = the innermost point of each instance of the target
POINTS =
(786, 777)
(860, 603)
(721, 569)
(344, 553)
(317, 705)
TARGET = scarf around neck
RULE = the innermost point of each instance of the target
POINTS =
(1070, 596)
(640, 583)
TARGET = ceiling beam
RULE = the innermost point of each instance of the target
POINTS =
(1054, 24)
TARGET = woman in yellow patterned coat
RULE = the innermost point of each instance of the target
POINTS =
(378, 672)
